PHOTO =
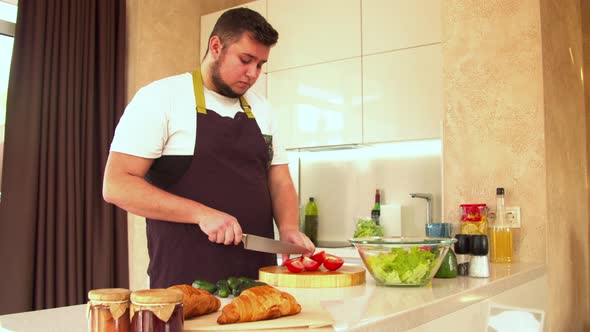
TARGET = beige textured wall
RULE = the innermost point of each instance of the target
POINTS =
(493, 124)
(567, 191)
(210, 6)
(516, 117)
(163, 40)
(586, 37)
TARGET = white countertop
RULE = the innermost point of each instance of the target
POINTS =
(401, 308)
(363, 307)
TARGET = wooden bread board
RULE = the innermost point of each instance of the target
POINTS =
(312, 315)
(346, 276)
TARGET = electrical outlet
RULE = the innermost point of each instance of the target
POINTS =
(513, 216)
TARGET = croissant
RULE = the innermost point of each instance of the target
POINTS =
(197, 302)
(259, 303)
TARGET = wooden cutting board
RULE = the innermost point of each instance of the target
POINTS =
(348, 275)
(312, 315)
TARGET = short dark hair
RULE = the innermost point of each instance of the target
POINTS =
(233, 23)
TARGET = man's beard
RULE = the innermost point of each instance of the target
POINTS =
(222, 88)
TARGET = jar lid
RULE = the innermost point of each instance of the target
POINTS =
(109, 294)
(473, 205)
(156, 296)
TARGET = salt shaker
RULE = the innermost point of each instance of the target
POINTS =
(479, 265)
(462, 252)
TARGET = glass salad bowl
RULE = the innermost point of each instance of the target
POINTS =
(402, 261)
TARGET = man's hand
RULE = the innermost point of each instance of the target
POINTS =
(296, 237)
(220, 227)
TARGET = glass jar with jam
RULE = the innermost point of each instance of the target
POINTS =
(474, 220)
(157, 310)
(108, 310)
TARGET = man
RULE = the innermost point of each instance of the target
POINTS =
(201, 160)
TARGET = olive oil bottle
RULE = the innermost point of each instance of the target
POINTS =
(311, 221)
(500, 233)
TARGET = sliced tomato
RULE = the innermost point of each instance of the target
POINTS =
(309, 264)
(294, 265)
(319, 257)
(332, 262)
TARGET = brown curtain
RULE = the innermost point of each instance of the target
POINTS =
(58, 238)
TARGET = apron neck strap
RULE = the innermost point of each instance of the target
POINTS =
(246, 107)
(199, 92)
(200, 96)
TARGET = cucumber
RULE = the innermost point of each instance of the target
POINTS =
(245, 280)
(234, 282)
(203, 284)
(238, 290)
(223, 289)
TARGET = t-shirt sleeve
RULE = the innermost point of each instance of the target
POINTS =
(142, 130)
(280, 156)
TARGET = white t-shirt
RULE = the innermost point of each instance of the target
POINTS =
(161, 119)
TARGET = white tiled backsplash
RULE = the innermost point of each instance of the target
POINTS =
(343, 183)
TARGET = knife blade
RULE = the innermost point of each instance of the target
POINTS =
(259, 243)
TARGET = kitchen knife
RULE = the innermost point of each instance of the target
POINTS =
(259, 243)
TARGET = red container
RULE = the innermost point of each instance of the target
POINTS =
(474, 212)
(474, 219)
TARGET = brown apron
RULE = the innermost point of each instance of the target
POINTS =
(227, 172)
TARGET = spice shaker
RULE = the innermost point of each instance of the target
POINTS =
(479, 265)
(462, 253)
(108, 310)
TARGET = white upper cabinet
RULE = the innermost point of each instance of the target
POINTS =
(318, 105)
(312, 32)
(403, 95)
(396, 24)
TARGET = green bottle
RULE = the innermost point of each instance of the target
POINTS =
(448, 267)
(376, 212)
(311, 221)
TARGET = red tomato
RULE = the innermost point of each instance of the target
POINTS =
(332, 262)
(309, 264)
(294, 265)
(319, 257)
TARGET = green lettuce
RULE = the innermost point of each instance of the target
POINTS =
(368, 227)
(400, 266)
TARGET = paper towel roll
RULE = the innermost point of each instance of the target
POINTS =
(391, 219)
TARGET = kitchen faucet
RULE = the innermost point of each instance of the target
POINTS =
(428, 198)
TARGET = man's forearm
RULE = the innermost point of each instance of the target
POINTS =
(284, 199)
(137, 196)
(125, 186)
(285, 211)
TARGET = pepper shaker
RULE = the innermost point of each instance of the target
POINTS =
(462, 252)
(479, 265)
